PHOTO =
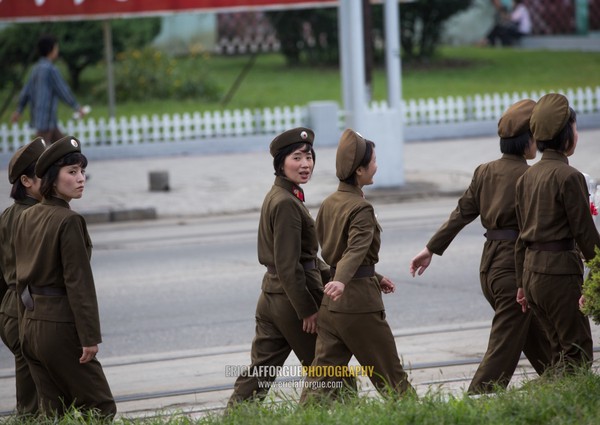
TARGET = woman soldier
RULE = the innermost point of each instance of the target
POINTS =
(286, 314)
(352, 316)
(61, 326)
(553, 211)
(26, 192)
(491, 196)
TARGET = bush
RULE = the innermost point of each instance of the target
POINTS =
(150, 74)
(591, 289)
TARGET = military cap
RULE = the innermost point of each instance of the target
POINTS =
(350, 152)
(23, 157)
(515, 120)
(289, 137)
(549, 116)
(56, 151)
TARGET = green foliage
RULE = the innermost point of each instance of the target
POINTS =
(565, 400)
(150, 74)
(308, 35)
(15, 57)
(81, 43)
(421, 25)
(591, 289)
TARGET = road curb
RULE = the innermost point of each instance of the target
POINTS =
(111, 216)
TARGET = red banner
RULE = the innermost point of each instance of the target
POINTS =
(36, 10)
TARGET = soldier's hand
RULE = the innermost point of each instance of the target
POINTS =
(88, 354)
(334, 289)
(420, 262)
(309, 324)
(387, 286)
(16, 116)
(522, 300)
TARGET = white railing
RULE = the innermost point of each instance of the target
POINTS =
(167, 129)
(484, 107)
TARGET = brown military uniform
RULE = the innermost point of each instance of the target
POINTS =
(491, 195)
(53, 251)
(291, 288)
(553, 210)
(27, 402)
(354, 324)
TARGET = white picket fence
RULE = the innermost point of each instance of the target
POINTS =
(202, 127)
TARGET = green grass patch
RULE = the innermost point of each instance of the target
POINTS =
(567, 400)
(454, 71)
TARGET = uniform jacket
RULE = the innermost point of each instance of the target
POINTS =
(490, 195)
(8, 275)
(350, 237)
(287, 239)
(553, 204)
(53, 249)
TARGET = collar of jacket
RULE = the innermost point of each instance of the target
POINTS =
(554, 155)
(345, 187)
(57, 202)
(290, 186)
(514, 157)
(28, 200)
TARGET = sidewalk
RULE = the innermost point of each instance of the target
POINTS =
(226, 183)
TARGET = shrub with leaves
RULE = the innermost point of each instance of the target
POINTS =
(151, 74)
(591, 289)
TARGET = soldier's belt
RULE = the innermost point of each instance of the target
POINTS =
(561, 245)
(361, 272)
(47, 290)
(501, 235)
(39, 290)
(307, 265)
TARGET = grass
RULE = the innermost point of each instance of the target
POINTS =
(455, 71)
(568, 400)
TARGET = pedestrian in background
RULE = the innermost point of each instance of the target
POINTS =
(61, 325)
(352, 315)
(26, 192)
(491, 196)
(510, 27)
(556, 229)
(42, 92)
(286, 313)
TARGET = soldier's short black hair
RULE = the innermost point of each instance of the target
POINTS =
(49, 178)
(370, 147)
(515, 145)
(279, 158)
(19, 192)
(46, 43)
(565, 138)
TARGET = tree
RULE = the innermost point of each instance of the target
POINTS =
(80, 44)
(421, 25)
(311, 35)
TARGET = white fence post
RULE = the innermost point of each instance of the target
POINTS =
(240, 123)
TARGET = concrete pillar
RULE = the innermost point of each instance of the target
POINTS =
(384, 130)
(389, 125)
(353, 56)
(323, 119)
(582, 16)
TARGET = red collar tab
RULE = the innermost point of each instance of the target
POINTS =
(298, 193)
